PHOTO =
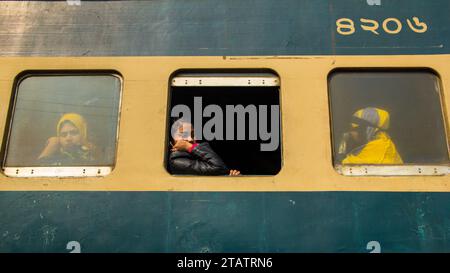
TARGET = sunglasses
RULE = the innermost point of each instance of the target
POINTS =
(184, 134)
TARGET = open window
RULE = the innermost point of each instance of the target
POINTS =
(387, 123)
(63, 125)
(235, 113)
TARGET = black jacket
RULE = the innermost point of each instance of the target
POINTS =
(202, 160)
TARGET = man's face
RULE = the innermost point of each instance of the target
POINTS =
(69, 137)
(356, 134)
(184, 132)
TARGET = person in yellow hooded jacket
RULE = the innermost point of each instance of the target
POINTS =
(367, 142)
(70, 145)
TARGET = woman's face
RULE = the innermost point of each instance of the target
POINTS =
(69, 136)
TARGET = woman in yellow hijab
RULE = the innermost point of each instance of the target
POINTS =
(70, 146)
(371, 143)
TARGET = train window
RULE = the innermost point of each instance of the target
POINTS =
(63, 125)
(223, 123)
(388, 123)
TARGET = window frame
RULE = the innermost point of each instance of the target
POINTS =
(57, 171)
(394, 169)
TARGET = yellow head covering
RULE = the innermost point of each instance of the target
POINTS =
(76, 120)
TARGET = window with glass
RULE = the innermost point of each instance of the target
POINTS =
(63, 125)
(388, 123)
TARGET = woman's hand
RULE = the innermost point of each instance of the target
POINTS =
(51, 147)
(235, 173)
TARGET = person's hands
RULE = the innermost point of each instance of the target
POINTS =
(51, 147)
(235, 173)
(181, 145)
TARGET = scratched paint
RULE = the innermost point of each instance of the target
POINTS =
(48, 235)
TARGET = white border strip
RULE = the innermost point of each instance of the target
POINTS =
(386, 170)
(57, 171)
(225, 81)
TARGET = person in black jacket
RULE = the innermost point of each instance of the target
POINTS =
(189, 157)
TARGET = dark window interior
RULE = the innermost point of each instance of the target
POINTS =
(411, 97)
(243, 155)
